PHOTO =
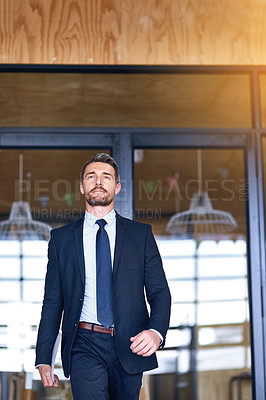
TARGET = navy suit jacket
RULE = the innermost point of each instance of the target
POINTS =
(137, 270)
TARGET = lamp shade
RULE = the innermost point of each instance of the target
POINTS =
(201, 218)
(20, 225)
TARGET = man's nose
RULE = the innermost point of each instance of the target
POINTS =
(98, 180)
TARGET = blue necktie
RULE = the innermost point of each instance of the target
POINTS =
(104, 276)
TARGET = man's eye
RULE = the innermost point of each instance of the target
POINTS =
(91, 177)
(107, 177)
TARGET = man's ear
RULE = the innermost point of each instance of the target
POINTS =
(117, 188)
(81, 188)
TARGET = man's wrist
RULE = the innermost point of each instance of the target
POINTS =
(158, 333)
(39, 365)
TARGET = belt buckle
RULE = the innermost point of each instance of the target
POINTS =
(112, 331)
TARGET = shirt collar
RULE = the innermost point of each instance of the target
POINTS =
(91, 219)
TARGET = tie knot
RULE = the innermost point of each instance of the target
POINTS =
(101, 222)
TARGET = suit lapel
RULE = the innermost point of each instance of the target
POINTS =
(119, 239)
(78, 240)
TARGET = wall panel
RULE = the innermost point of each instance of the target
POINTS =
(180, 32)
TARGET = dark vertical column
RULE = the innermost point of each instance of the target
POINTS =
(4, 385)
(123, 154)
(257, 108)
(255, 274)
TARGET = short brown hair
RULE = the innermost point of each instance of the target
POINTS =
(104, 158)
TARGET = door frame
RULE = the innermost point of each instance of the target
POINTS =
(122, 143)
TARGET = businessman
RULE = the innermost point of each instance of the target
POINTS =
(101, 270)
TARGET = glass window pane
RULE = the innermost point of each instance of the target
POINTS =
(34, 248)
(184, 361)
(26, 313)
(178, 337)
(202, 193)
(31, 313)
(10, 360)
(179, 267)
(182, 314)
(221, 335)
(9, 290)
(19, 336)
(223, 289)
(167, 362)
(54, 198)
(10, 312)
(209, 247)
(167, 179)
(176, 247)
(9, 247)
(33, 291)
(224, 266)
(29, 360)
(34, 267)
(222, 358)
(182, 291)
(4, 313)
(9, 267)
(3, 336)
(222, 312)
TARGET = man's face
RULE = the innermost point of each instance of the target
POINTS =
(99, 186)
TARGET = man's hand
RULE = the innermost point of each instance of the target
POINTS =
(45, 372)
(145, 343)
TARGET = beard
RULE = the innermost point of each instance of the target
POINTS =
(103, 199)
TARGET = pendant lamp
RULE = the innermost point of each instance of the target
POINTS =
(201, 218)
(20, 225)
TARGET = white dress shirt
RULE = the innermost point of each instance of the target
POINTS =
(90, 228)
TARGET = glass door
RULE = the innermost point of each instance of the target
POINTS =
(47, 185)
(210, 249)
(195, 200)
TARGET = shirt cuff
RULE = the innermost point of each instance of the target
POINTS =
(36, 366)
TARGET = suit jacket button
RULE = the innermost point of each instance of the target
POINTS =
(75, 324)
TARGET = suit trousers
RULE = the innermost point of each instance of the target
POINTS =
(96, 372)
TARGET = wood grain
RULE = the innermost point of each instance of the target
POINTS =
(214, 384)
(105, 32)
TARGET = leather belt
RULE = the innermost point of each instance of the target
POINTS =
(96, 328)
